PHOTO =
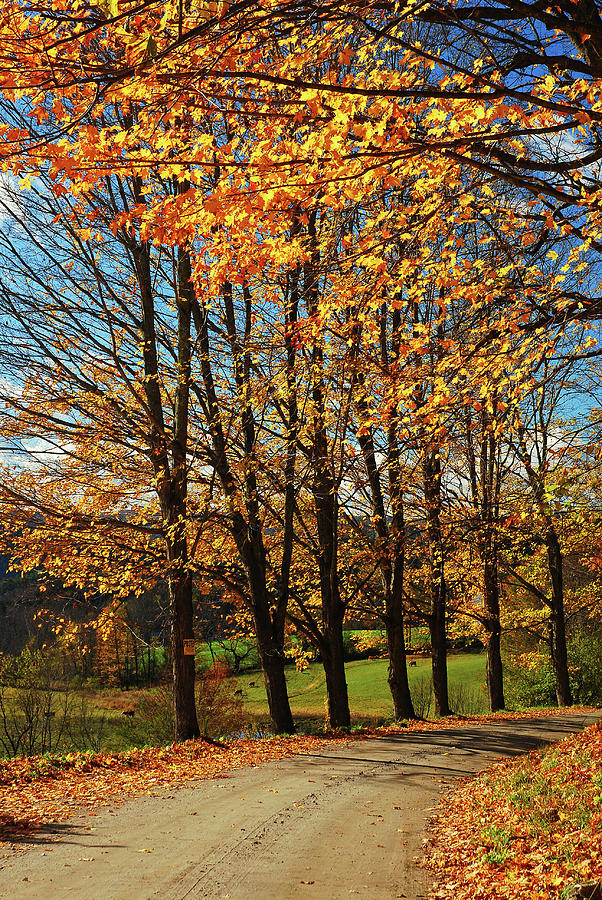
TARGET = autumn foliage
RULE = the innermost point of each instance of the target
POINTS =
(39, 789)
(289, 300)
(524, 828)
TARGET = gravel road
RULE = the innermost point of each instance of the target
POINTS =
(325, 826)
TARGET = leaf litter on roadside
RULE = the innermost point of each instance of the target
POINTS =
(38, 790)
(42, 789)
(526, 828)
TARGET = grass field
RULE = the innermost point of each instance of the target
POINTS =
(97, 718)
(369, 695)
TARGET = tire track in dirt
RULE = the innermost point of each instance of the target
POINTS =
(325, 826)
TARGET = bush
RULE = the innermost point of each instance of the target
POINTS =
(219, 709)
(300, 651)
(466, 701)
(421, 690)
(585, 669)
(466, 643)
(534, 684)
(463, 700)
(40, 713)
(420, 640)
(34, 707)
(86, 728)
(364, 644)
(529, 684)
(152, 723)
(152, 662)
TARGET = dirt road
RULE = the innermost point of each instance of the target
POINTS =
(323, 826)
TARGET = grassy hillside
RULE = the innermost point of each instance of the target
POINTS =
(369, 695)
(71, 719)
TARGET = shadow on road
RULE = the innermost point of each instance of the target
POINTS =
(21, 831)
(33, 834)
(507, 738)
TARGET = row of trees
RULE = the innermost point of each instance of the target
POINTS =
(287, 305)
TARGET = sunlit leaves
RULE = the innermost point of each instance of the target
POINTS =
(525, 828)
(39, 789)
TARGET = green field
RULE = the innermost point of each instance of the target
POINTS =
(95, 719)
(369, 695)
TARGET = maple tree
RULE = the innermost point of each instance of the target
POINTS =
(95, 529)
(111, 406)
(553, 452)
(269, 183)
(485, 473)
(537, 475)
(390, 529)
(449, 367)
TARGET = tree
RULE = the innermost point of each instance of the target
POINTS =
(485, 474)
(536, 447)
(98, 371)
(308, 174)
(390, 531)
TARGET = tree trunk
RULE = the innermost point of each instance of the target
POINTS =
(485, 481)
(439, 650)
(491, 592)
(270, 639)
(326, 505)
(171, 481)
(333, 660)
(403, 706)
(186, 724)
(333, 610)
(271, 656)
(557, 620)
(557, 624)
(180, 577)
(392, 571)
(397, 677)
(438, 588)
(272, 664)
(494, 672)
(247, 534)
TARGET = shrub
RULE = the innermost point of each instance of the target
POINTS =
(300, 651)
(585, 670)
(219, 708)
(466, 701)
(362, 644)
(34, 706)
(86, 728)
(530, 678)
(153, 721)
(421, 690)
(529, 681)
(420, 640)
